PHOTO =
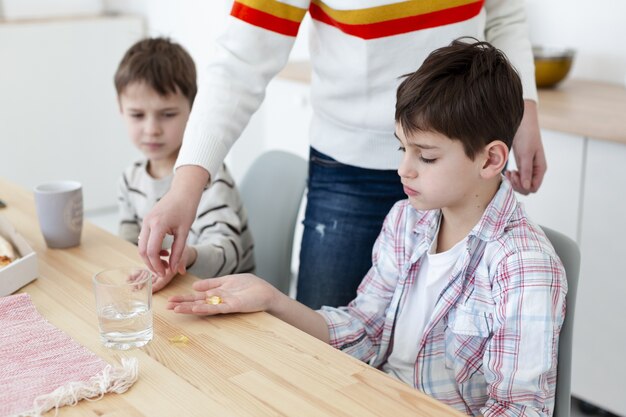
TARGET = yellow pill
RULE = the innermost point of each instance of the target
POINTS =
(180, 339)
(214, 299)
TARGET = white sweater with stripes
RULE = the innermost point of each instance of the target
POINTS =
(220, 232)
(359, 49)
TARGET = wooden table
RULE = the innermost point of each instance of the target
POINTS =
(235, 365)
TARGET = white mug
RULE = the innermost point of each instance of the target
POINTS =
(60, 212)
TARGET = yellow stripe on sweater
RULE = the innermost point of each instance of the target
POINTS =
(400, 10)
(276, 8)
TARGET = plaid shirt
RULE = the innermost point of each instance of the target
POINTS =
(491, 344)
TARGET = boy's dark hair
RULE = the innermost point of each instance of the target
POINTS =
(162, 64)
(465, 91)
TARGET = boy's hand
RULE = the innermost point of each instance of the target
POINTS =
(188, 258)
(240, 293)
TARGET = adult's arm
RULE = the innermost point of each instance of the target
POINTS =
(249, 54)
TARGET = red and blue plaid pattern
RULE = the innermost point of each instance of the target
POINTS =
(491, 344)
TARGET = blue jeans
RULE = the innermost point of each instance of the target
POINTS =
(346, 206)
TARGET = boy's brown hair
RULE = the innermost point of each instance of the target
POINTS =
(162, 64)
(465, 91)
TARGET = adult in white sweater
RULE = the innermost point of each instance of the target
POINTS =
(359, 51)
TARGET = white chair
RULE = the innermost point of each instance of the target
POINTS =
(272, 190)
(569, 253)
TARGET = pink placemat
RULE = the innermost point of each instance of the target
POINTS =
(42, 368)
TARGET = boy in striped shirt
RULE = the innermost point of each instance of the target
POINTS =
(466, 296)
(156, 87)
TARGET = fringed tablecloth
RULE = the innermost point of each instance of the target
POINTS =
(42, 368)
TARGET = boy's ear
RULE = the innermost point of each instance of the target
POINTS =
(494, 159)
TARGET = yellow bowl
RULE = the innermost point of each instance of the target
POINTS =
(551, 65)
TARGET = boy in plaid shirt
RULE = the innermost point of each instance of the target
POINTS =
(466, 296)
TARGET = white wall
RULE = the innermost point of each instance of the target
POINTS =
(193, 23)
(59, 117)
(596, 29)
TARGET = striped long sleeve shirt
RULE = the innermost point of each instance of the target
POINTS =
(359, 50)
(490, 346)
(220, 232)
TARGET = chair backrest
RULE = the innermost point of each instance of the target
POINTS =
(569, 253)
(272, 190)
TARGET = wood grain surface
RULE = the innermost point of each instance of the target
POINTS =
(235, 365)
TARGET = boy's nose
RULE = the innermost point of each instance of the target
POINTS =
(153, 128)
(405, 170)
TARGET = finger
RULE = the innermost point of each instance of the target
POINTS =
(134, 276)
(158, 284)
(184, 307)
(209, 309)
(209, 283)
(514, 177)
(187, 298)
(178, 245)
(540, 172)
(515, 182)
(153, 249)
(142, 245)
(537, 180)
(200, 308)
(526, 174)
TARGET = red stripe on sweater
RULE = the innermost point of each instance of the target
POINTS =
(264, 20)
(402, 25)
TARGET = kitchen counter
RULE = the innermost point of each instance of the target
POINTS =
(586, 108)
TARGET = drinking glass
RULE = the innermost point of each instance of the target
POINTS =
(124, 306)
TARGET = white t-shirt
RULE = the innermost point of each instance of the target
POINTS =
(418, 305)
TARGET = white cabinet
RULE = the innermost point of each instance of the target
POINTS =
(58, 109)
(557, 203)
(599, 330)
(583, 195)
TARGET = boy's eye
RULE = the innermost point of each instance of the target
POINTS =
(427, 161)
(136, 115)
(401, 148)
(170, 114)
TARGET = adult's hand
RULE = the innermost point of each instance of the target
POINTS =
(172, 215)
(529, 155)
(160, 281)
